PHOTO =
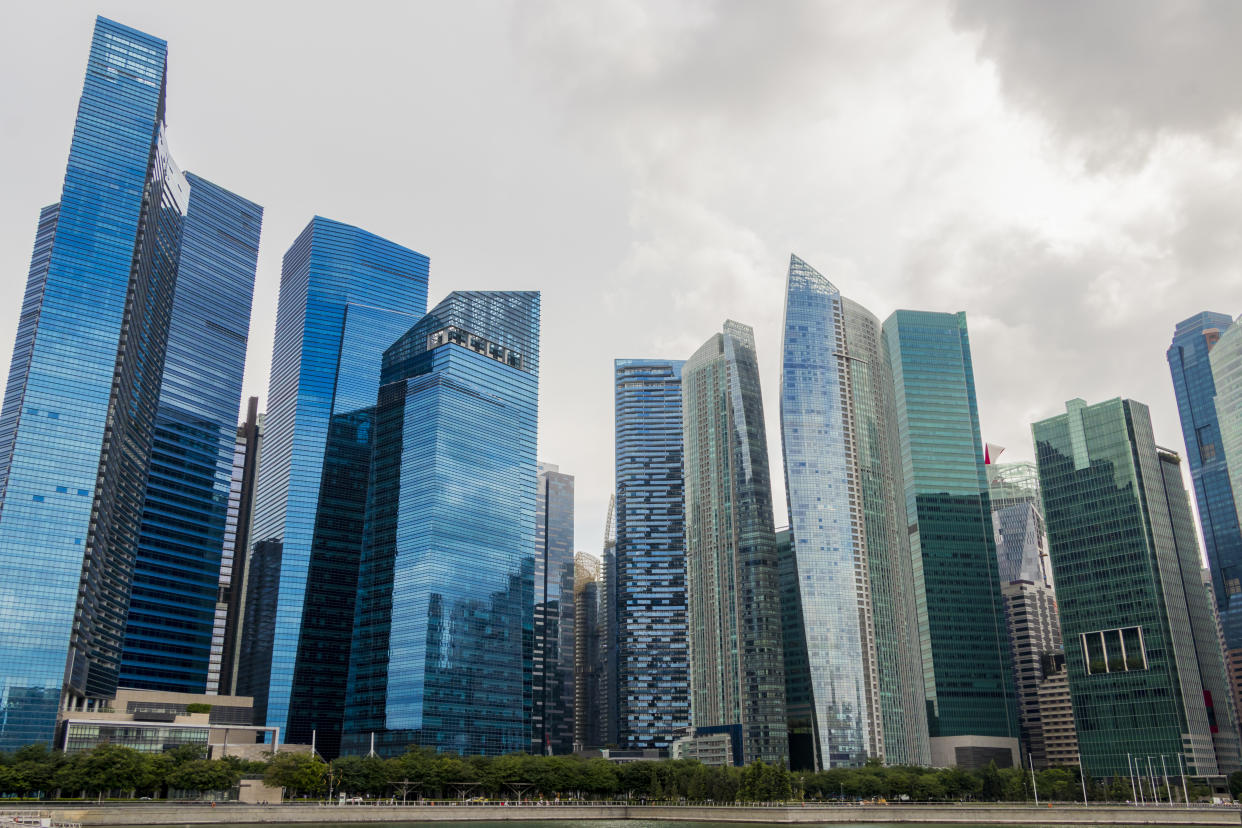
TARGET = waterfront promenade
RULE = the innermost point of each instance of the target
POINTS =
(954, 814)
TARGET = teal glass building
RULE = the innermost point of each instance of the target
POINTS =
(1142, 648)
(652, 660)
(968, 683)
(737, 682)
(861, 692)
(345, 296)
(119, 267)
(442, 644)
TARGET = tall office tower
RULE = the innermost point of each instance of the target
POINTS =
(737, 679)
(117, 278)
(345, 296)
(552, 701)
(586, 652)
(799, 717)
(1018, 522)
(1030, 604)
(609, 626)
(1192, 356)
(1146, 672)
(653, 662)
(168, 634)
(1034, 634)
(230, 601)
(850, 562)
(442, 649)
(971, 715)
(1226, 363)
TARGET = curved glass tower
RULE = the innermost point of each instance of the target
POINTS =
(854, 579)
(732, 573)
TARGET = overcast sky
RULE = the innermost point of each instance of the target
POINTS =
(1069, 174)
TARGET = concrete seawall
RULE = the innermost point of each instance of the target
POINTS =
(163, 814)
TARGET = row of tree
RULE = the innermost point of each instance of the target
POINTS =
(110, 770)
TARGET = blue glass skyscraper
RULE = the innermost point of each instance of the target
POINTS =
(80, 408)
(176, 577)
(653, 660)
(971, 712)
(442, 650)
(849, 563)
(345, 296)
(1195, 388)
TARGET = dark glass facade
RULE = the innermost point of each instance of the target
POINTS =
(552, 701)
(966, 661)
(1195, 387)
(443, 639)
(1146, 671)
(586, 652)
(737, 676)
(83, 404)
(345, 296)
(168, 633)
(652, 657)
(231, 597)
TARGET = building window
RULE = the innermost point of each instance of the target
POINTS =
(1114, 651)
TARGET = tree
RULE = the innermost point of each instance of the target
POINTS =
(297, 773)
(203, 775)
(1235, 784)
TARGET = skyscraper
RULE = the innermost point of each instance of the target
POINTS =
(1146, 672)
(441, 651)
(168, 634)
(586, 652)
(345, 296)
(1196, 386)
(552, 703)
(1030, 605)
(230, 602)
(732, 573)
(971, 714)
(653, 662)
(609, 633)
(850, 563)
(118, 274)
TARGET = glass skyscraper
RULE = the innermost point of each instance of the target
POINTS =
(552, 704)
(345, 296)
(168, 635)
(1026, 589)
(441, 651)
(971, 713)
(120, 269)
(1196, 387)
(653, 662)
(737, 678)
(1146, 671)
(586, 652)
(850, 564)
(230, 601)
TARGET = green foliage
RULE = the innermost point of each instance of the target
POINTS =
(203, 775)
(300, 774)
(111, 770)
(197, 707)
